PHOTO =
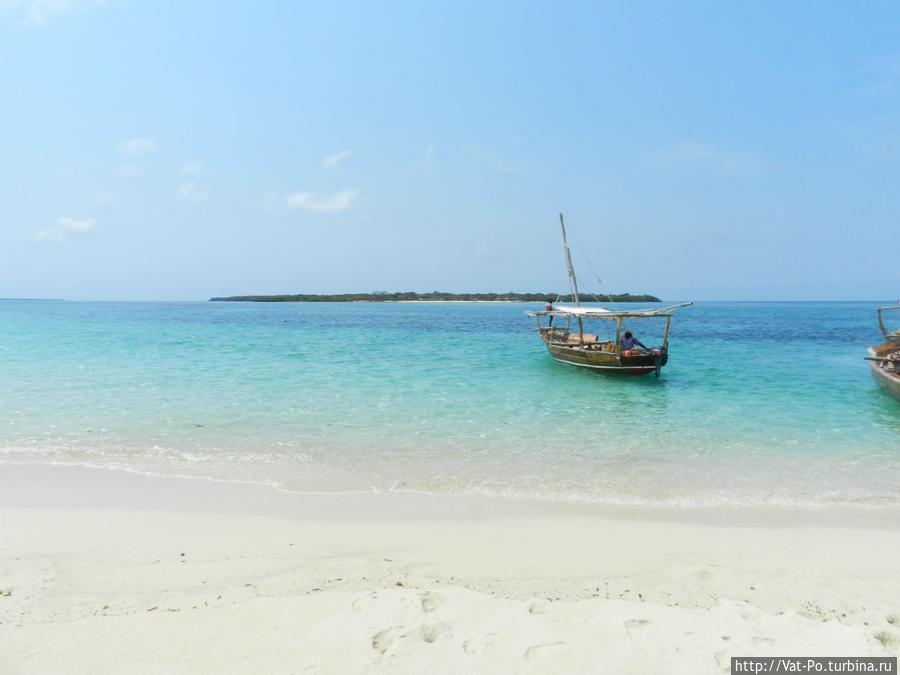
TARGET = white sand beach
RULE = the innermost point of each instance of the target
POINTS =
(109, 572)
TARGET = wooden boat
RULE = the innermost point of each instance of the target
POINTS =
(587, 350)
(884, 359)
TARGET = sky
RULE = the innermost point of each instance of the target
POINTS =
(157, 150)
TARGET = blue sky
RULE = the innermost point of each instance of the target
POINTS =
(699, 150)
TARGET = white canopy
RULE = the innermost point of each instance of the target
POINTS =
(601, 313)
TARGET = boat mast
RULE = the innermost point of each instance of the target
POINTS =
(573, 283)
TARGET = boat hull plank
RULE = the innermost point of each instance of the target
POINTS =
(888, 380)
(605, 361)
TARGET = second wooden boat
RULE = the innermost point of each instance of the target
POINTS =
(884, 359)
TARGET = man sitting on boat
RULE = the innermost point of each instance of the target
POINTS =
(629, 341)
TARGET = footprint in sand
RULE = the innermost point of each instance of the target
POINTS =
(383, 640)
(431, 632)
(636, 623)
(431, 601)
(477, 644)
(723, 657)
(887, 639)
(364, 602)
(536, 651)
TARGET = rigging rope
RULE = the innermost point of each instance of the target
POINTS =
(594, 272)
(609, 299)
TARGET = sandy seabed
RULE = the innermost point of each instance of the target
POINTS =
(110, 572)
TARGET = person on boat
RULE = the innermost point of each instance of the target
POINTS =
(629, 341)
(548, 307)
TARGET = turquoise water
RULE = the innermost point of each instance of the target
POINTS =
(760, 402)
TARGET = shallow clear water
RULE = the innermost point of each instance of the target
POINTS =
(760, 402)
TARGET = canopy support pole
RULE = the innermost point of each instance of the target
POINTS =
(666, 333)
(618, 337)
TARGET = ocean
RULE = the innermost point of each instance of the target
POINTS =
(761, 403)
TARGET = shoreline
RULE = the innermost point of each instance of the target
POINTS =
(130, 573)
(49, 485)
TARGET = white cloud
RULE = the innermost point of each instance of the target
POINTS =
(74, 225)
(310, 201)
(332, 161)
(427, 159)
(38, 12)
(138, 146)
(710, 157)
(190, 191)
(65, 227)
(194, 168)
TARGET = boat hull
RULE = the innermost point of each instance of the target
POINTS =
(887, 380)
(584, 356)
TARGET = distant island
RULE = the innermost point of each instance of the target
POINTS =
(435, 296)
